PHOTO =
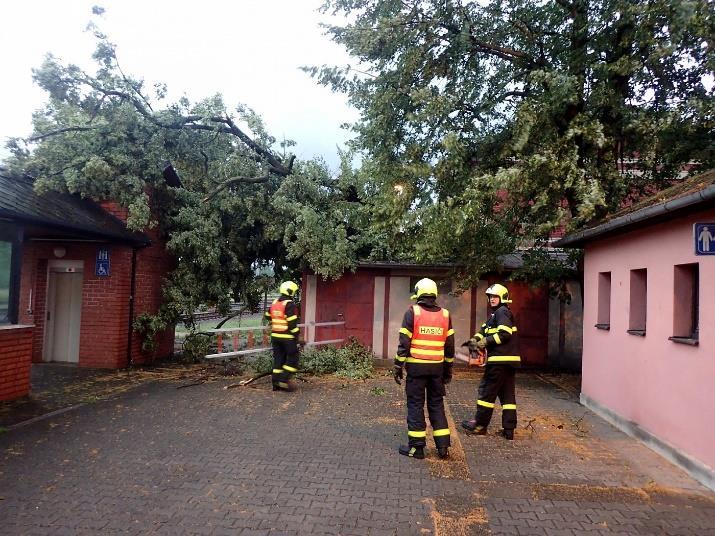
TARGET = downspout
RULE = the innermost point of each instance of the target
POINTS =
(132, 292)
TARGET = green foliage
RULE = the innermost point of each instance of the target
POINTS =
(148, 326)
(243, 208)
(352, 361)
(487, 125)
(196, 346)
(261, 363)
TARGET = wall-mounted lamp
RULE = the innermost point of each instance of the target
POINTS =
(59, 252)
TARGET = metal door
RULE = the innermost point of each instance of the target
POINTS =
(64, 306)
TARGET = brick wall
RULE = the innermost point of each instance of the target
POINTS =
(105, 300)
(15, 361)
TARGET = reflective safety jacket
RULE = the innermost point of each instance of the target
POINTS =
(426, 340)
(500, 334)
(284, 318)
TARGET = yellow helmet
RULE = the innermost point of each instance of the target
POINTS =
(424, 287)
(288, 288)
(498, 290)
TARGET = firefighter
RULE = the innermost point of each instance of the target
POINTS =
(499, 336)
(426, 350)
(283, 315)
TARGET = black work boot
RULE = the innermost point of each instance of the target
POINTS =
(472, 428)
(412, 452)
(443, 452)
(507, 434)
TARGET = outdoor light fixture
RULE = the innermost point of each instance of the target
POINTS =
(59, 252)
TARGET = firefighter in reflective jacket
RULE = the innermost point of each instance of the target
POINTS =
(283, 315)
(499, 336)
(426, 350)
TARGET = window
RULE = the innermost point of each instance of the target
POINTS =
(603, 317)
(639, 302)
(9, 273)
(5, 268)
(686, 291)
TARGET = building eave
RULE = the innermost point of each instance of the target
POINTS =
(633, 220)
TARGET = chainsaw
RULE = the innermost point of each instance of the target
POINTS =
(477, 357)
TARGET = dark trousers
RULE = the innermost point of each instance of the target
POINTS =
(285, 360)
(417, 388)
(498, 381)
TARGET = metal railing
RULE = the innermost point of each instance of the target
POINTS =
(238, 344)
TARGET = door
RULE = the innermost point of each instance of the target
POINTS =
(64, 306)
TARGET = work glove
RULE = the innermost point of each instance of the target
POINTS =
(398, 374)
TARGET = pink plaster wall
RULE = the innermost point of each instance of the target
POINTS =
(665, 387)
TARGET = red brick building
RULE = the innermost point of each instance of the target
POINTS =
(372, 301)
(68, 271)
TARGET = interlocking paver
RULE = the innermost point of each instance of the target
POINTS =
(323, 461)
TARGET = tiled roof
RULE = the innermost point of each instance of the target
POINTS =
(695, 192)
(65, 212)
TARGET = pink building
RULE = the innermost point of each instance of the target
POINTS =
(649, 322)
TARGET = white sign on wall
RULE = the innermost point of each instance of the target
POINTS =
(704, 237)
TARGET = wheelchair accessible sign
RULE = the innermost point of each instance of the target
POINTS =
(101, 267)
(704, 235)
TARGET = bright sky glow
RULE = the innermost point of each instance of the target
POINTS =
(248, 50)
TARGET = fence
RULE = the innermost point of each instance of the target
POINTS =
(237, 344)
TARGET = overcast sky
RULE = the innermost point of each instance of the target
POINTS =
(248, 50)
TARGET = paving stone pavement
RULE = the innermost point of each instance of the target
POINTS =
(204, 460)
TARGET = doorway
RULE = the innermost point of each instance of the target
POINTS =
(64, 308)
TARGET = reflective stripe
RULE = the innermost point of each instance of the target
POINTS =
(295, 330)
(424, 342)
(497, 339)
(282, 335)
(415, 360)
(294, 317)
(445, 313)
(406, 332)
(509, 406)
(485, 404)
(449, 359)
(478, 336)
(277, 314)
(415, 433)
(450, 332)
(503, 358)
(427, 352)
(400, 358)
(277, 371)
(290, 369)
(440, 432)
(506, 328)
(416, 310)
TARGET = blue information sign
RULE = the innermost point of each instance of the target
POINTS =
(101, 267)
(704, 236)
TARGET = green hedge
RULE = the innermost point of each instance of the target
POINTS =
(353, 361)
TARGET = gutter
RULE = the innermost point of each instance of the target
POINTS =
(696, 198)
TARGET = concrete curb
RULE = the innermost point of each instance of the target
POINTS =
(43, 417)
(696, 469)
